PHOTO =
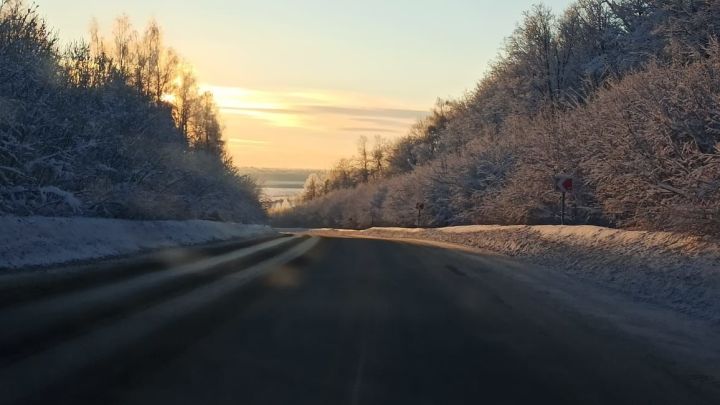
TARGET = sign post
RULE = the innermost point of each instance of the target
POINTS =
(419, 206)
(563, 184)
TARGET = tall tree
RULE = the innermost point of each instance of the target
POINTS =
(124, 37)
(206, 131)
(185, 99)
(364, 158)
(379, 156)
(162, 63)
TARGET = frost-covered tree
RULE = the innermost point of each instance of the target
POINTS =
(622, 94)
(91, 130)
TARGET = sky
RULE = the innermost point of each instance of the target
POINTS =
(298, 82)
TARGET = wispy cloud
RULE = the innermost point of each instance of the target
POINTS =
(247, 141)
(248, 144)
(329, 112)
(367, 130)
(241, 110)
(397, 113)
(380, 120)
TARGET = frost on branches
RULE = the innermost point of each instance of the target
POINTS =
(622, 94)
(114, 128)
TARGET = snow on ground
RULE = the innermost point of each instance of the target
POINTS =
(678, 271)
(43, 241)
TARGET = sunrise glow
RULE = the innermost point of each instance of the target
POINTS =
(300, 88)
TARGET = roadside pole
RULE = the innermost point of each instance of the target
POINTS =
(564, 185)
(419, 206)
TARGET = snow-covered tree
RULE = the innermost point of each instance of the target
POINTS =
(91, 130)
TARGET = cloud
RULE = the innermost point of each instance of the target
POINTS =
(388, 114)
(368, 129)
(253, 144)
(322, 111)
(247, 141)
(241, 110)
(367, 112)
(382, 121)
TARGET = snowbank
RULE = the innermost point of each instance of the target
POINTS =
(43, 241)
(678, 271)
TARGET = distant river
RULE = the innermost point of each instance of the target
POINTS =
(282, 190)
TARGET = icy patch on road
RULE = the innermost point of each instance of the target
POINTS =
(44, 241)
(678, 271)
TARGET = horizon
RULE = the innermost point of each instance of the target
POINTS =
(317, 73)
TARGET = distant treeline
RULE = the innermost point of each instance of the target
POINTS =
(623, 95)
(112, 127)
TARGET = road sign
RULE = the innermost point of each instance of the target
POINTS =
(564, 183)
(419, 207)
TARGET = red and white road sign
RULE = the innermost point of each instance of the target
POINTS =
(564, 183)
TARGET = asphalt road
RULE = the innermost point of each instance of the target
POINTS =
(348, 321)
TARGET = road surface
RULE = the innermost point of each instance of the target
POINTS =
(324, 321)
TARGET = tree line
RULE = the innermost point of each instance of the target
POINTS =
(114, 127)
(621, 94)
(371, 163)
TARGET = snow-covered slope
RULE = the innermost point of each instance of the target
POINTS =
(675, 270)
(42, 241)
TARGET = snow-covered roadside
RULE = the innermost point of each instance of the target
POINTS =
(44, 241)
(678, 271)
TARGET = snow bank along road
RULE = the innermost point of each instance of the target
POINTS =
(310, 320)
(49, 241)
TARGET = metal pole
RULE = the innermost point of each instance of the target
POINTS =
(562, 210)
